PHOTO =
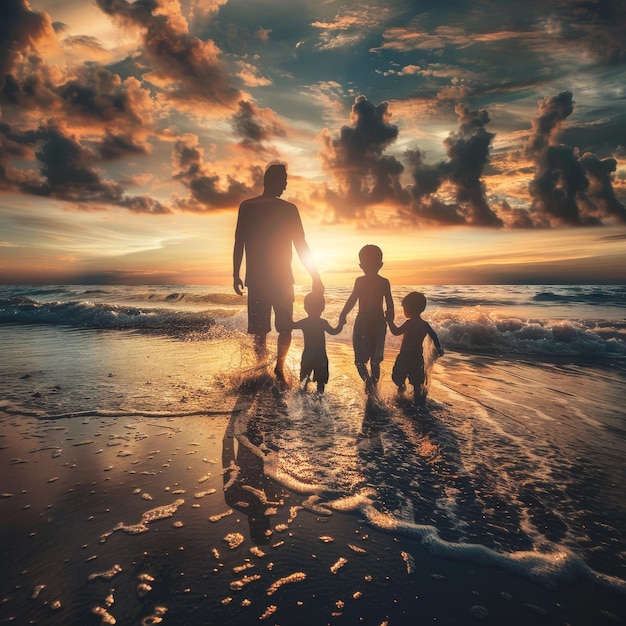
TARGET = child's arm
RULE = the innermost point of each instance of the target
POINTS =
(390, 314)
(334, 331)
(433, 335)
(350, 302)
(396, 330)
(297, 325)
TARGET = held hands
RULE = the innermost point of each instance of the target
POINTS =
(238, 285)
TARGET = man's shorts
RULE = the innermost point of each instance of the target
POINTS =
(260, 305)
(368, 337)
(408, 365)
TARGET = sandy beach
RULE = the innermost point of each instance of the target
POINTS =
(149, 480)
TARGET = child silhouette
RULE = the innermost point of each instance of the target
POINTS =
(410, 360)
(313, 327)
(370, 290)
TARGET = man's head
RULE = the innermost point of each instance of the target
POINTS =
(275, 180)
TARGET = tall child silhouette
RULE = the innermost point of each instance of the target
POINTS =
(370, 290)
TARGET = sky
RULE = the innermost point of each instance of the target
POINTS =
(475, 142)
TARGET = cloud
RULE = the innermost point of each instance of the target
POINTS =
(600, 192)
(185, 67)
(468, 153)
(553, 111)
(348, 27)
(119, 145)
(598, 27)
(363, 175)
(256, 126)
(99, 95)
(411, 39)
(21, 31)
(559, 177)
(567, 189)
(67, 172)
(250, 75)
(208, 191)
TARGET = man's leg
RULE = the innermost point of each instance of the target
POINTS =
(282, 348)
(361, 368)
(260, 348)
(283, 314)
(375, 365)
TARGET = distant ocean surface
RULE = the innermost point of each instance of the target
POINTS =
(587, 321)
(516, 464)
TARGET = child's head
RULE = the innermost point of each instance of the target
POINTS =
(371, 258)
(314, 303)
(414, 303)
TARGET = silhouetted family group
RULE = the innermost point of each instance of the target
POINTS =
(267, 227)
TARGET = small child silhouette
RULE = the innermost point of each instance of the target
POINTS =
(314, 358)
(410, 360)
(370, 291)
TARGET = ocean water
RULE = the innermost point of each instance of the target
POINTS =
(516, 462)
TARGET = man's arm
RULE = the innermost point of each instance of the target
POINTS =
(396, 330)
(306, 257)
(238, 257)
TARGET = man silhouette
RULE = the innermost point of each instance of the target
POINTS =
(267, 227)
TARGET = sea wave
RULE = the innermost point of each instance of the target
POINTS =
(84, 314)
(471, 329)
(592, 295)
(484, 331)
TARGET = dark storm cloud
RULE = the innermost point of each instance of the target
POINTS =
(559, 179)
(553, 111)
(20, 31)
(14, 145)
(98, 94)
(597, 25)
(566, 189)
(427, 179)
(208, 191)
(468, 153)
(67, 172)
(355, 159)
(600, 192)
(186, 67)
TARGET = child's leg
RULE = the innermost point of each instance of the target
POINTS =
(320, 387)
(305, 370)
(419, 382)
(399, 373)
